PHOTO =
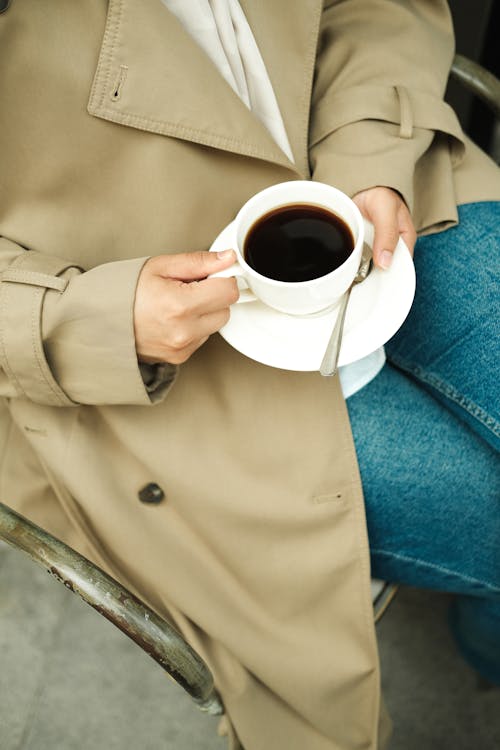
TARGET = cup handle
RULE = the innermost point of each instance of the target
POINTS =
(246, 294)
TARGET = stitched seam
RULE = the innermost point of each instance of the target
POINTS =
(157, 125)
(405, 113)
(36, 344)
(38, 295)
(441, 568)
(34, 278)
(450, 392)
(4, 457)
(163, 126)
(153, 124)
(109, 43)
(360, 521)
(308, 86)
(6, 363)
(26, 257)
(4, 291)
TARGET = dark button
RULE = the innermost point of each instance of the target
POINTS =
(151, 493)
(4, 4)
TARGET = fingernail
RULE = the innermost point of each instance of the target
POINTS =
(385, 259)
(223, 254)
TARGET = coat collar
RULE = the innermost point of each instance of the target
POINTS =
(152, 75)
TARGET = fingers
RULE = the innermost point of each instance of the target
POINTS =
(173, 317)
(192, 333)
(208, 295)
(385, 221)
(192, 266)
(391, 219)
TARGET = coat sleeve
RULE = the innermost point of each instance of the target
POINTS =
(67, 335)
(382, 68)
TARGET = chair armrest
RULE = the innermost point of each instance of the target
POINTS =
(478, 80)
(112, 600)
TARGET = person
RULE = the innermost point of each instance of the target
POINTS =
(229, 494)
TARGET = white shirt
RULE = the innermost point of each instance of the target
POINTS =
(222, 31)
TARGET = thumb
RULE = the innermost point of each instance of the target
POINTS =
(386, 237)
(193, 266)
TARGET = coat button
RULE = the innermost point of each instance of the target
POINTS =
(151, 493)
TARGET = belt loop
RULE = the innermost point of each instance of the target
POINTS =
(405, 113)
(20, 276)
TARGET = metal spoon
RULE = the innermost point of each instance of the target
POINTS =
(330, 360)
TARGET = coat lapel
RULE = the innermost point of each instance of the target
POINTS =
(287, 38)
(152, 75)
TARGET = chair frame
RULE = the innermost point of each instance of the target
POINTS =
(118, 605)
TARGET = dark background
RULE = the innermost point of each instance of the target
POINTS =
(477, 31)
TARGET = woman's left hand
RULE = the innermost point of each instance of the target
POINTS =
(391, 218)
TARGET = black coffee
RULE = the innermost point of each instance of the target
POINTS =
(298, 243)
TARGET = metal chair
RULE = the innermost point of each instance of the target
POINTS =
(479, 81)
(118, 605)
(128, 613)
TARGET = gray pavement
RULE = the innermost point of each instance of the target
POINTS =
(70, 681)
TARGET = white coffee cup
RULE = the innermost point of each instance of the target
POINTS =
(295, 297)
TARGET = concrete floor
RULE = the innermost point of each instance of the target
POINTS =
(70, 681)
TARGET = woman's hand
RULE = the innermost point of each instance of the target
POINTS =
(177, 308)
(389, 214)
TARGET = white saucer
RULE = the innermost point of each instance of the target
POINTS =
(377, 308)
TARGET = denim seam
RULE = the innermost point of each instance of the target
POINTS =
(424, 563)
(450, 392)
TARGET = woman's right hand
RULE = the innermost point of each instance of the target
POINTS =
(177, 307)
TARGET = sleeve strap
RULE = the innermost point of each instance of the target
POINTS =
(408, 108)
(22, 290)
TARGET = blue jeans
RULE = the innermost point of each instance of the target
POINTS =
(427, 435)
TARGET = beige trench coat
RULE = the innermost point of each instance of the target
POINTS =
(118, 141)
